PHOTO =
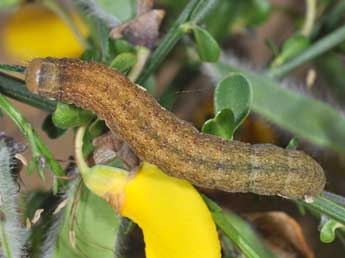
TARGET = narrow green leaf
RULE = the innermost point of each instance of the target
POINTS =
(331, 67)
(293, 144)
(50, 129)
(330, 206)
(121, 46)
(328, 230)
(97, 128)
(206, 45)
(222, 125)
(302, 115)
(12, 68)
(315, 50)
(241, 234)
(255, 12)
(67, 116)
(322, 204)
(91, 54)
(123, 62)
(291, 48)
(15, 88)
(235, 93)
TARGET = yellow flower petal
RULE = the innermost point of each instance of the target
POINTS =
(35, 31)
(175, 221)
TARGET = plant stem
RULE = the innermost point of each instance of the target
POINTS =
(317, 49)
(78, 150)
(13, 68)
(39, 149)
(171, 38)
(15, 88)
(143, 54)
(309, 17)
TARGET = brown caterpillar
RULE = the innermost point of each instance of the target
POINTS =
(159, 137)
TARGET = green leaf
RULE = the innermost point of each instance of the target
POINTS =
(91, 54)
(330, 206)
(67, 116)
(121, 46)
(97, 128)
(302, 115)
(207, 46)
(234, 93)
(251, 13)
(325, 204)
(331, 68)
(315, 50)
(13, 68)
(222, 125)
(328, 230)
(238, 231)
(94, 224)
(124, 62)
(50, 129)
(293, 144)
(15, 88)
(291, 48)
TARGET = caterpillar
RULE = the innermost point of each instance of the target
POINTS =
(175, 146)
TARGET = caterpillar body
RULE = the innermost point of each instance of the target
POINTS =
(159, 137)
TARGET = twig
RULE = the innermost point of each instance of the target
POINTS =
(15, 88)
(309, 17)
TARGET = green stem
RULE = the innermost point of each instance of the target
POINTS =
(79, 156)
(15, 88)
(171, 38)
(317, 49)
(37, 145)
(310, 17)
(13, 68)
(324, 205)
(142, 56)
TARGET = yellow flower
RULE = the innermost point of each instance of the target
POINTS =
(35, 31)
(175, 221)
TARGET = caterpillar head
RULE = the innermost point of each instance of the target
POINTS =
(42, 77)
